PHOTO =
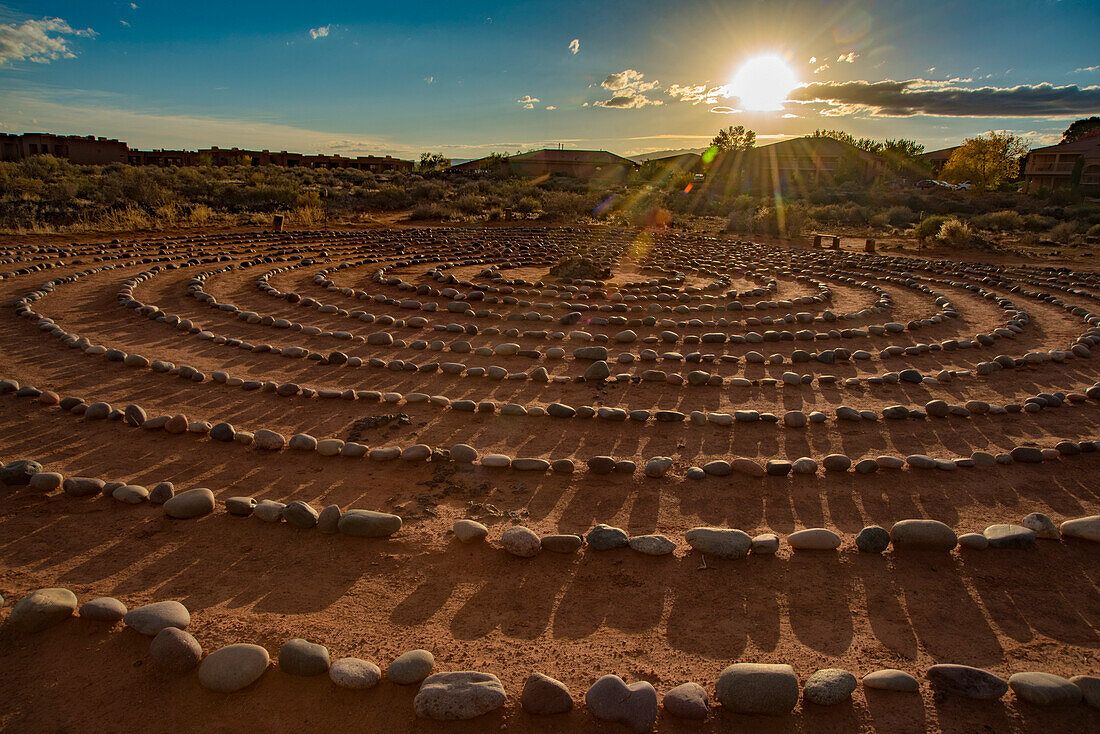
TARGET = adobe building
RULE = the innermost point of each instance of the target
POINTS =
(795, 165)
(101, 151)
(88, 150)
(937, 159)
(1073, 165)
(586, 165)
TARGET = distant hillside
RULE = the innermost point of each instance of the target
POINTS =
(643, 157)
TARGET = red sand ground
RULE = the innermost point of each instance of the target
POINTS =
(572, 617)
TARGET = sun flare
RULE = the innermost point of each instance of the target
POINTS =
(763, 83)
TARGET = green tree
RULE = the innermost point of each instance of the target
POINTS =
(1081, 128)
(902, 155)
(433, 162)
(987, 161)
(733, 139)
(867, 144)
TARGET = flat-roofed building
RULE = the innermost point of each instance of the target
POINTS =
(1065, 166)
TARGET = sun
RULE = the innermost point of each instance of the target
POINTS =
(763, 83)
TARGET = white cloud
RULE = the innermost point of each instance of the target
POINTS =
(724, 110)
(813, 60)
(574, 45)
(790, 116)
(1085, 69)
(528, 101)
(320, 32)
(551, 107)
(848, 58)
(629, 87)
(821, 68)
(133, 6)
(39, 41)
(698, 93)
(124, 23)
(429, 79)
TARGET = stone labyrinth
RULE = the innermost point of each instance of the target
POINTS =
(855, 491)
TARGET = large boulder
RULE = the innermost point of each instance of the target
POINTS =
(42, 609)
(758, 688)
(458, 696)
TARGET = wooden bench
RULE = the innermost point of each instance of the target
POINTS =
(835, 241)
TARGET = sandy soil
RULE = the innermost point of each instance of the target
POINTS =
(572, 617)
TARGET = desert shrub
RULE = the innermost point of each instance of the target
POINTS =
(929, 227)
(1063, 232)
(900, 216)
(1002, 221)
(469, 203)
(528, 205)
(1038, 222)
(1094, 231)
(880, 220)
(954, 232)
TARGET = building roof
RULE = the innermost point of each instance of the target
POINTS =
(939, 155)
(1088, 144)
(555, 155)
(810, 145)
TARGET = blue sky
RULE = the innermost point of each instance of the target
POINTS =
(469, 78)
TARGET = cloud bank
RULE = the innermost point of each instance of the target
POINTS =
(890, 98)
(629, 87)
(39, 41)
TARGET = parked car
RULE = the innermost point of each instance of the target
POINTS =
(964, 186)
(926, 184)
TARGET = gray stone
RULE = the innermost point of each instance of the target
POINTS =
(521, 541)
(1084, 528)
(470, 531)
(724, 543)
(814, 539)
(131, 494)
(19, 473)
(967, 682)
(923, 535)
(658, 466)
(328, 520)
(604, 537)
(1042, 526)
(652, 545)
(836, 462)
(1044, 689)
(1009, 536)
(190, 504)
(545, 696)
(103, 609)
(301, 657)
(1089, 686)
(889, 679)
(46, 481)
(564, 543)
(411, 667)
(83, 486)
(973, 541)
(458, 696)
(354, 673)
(758, 688)
(829, 687)
(634, 705)
(765, 544)
(873, 539)
(162, 492)
(175, 650)
(42, 609)
(233, 667)
(240, 506)
(269, 511)
(368, 524)
(152, 618)
(300, 514)
(687, 701)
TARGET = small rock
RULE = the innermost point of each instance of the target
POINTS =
(814, 539)
(190, 504)
(965, 681)
(604, 537)
(354, 673)
(687, 701)
(634, 705)
(152, 618)
(233, 667)
(175, 650)
(829, 687)
(1044, 689)
(469, 531)
(873, 539)
(103, 609)
(412, 667)
(758, 688)
(42, 609)
(890, 679)
(301, 657)
(545, 696)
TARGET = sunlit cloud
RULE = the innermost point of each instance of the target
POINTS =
(39, 41)
(890, 98)
(821, 68)
(697, 93)
(551, 107)
(848, 58)
(1086, 69)
(319, 32)
(629, 87)
(574, 45)
(725, 111)
(528, 101)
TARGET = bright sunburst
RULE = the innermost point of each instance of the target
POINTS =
(763, 83)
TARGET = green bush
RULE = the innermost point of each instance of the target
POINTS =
(929, 227)
(1002, 221)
